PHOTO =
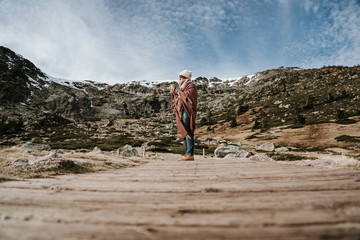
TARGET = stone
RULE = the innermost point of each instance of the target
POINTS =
(224, 150)
(50, 157)
(60, 151)
(96, 149)
(50, 160)
(239, 154)
(20, 162)
(261, 158)
(267, 147)
(35, 147)
(282, 149)
(230, 151)
(128, 151)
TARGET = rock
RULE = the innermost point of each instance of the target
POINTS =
(50, 160)
(261, 158)
(128, 151)
(118, 151)
(96, 149)
(230, 151)
(267, 147)
(35, 147)
(60, 151)
(239, 154)
(224, 150)
(282, 149)
(37, 140)
(20, 162)
(50, 157)
(27, 151)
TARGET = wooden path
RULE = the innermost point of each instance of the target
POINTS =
(206, 199)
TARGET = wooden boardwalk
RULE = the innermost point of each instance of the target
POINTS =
(205, 199)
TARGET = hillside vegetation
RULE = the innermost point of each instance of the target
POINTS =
(81, 115)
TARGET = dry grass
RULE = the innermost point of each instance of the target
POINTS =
(344, 161)
(84, 162)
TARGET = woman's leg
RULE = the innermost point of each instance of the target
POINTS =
(189, 139)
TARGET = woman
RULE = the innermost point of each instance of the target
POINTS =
(185, 107)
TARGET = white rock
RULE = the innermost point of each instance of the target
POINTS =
(239, 154)
(267, 147)
(261, 158)
(282, 149)
(128, 151)
(230, 151)
(96, 149)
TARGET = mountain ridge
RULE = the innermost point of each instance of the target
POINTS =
(33, 104)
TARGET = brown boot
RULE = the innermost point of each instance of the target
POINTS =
(187, 158)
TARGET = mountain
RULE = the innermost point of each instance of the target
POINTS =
(69, 114)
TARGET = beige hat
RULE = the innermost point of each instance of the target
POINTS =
(186, 74)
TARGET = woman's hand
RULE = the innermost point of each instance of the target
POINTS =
(173, 90)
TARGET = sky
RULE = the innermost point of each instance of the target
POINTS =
(117, 41)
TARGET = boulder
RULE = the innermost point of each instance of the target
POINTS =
(20, 162)
(96, 149)
(230, 151)
(50, 160)
(239, 154)
(261, 158)
(29, 146)
(267, 147)
(282, 149)
(128, 151)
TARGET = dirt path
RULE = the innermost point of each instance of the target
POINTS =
(205, 199)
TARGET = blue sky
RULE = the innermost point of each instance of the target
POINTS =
(119, 41)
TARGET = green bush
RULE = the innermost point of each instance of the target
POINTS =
(347, 138)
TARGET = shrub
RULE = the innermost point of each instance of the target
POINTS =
(233, 122)
(347, 138)
(242, 109)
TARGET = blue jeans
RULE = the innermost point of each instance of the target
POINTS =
(189, 139)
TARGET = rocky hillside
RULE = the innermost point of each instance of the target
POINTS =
(85, 114)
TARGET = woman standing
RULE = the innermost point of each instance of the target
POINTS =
(185, 107)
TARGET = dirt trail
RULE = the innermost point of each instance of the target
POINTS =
(206, 199)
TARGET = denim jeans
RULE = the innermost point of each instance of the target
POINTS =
(189, 139)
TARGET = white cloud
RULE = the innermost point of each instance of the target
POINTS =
(335, 40)
(117, 41)
(112, 40)
(85, 40)
(310, 5)
(56, 35)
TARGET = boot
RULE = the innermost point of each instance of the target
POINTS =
(187, 158)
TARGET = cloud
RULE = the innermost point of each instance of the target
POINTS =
(59, 36)
(309, 5)
(85, 40)
(121, 40)
(334, 38)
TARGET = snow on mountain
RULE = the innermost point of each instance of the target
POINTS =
(146, 83)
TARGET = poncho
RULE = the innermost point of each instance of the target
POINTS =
(186, 98)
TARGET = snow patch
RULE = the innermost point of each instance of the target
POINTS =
(34, 83)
